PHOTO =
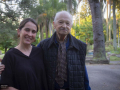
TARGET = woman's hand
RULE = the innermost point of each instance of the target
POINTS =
(10, 88)
(1, 66)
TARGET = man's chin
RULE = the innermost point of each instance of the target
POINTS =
(64, 33)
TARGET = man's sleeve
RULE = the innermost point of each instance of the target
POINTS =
(86, 79)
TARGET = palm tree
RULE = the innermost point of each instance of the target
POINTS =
(98, 36)
(109, 20)
(114, 26)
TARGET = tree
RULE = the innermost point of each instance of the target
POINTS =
(107, 37)
(8, 25)
(84, 31)
(114, 26)
(118, 22)
(102, 3)
(72, 5)
(109, 20)
(98, 36)
(85, 9)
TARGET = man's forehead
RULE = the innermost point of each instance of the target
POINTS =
(64, 19)
(63, 16)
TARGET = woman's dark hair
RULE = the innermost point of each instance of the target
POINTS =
(22, 24)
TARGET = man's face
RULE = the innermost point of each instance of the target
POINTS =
(63, 24)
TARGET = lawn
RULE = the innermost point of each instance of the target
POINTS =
(114, 58)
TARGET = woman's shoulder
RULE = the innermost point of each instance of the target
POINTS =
(8, 55)
(10, 51)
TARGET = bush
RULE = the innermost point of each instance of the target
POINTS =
(109, 43)
(109, 48)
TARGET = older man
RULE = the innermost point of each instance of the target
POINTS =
(64, 57)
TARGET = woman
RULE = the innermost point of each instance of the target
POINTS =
(24, 68)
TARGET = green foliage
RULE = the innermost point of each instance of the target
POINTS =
(117, 51)
(37, 40)
(85, 9)
(8, 25)
(109, 48)
(84, 31)
(26, 6)
(114, 58)
(118, 4)
(49, 7)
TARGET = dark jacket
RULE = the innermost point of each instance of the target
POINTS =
(76, 53)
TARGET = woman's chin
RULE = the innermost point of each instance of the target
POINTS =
(28, 43)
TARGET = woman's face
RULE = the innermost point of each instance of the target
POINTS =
(27, 33)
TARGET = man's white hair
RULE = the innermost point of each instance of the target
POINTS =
(63, 12)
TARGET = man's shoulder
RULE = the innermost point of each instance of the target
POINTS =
(45, 41)
(81, 42)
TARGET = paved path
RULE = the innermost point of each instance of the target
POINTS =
(104, 77)
(115, 62)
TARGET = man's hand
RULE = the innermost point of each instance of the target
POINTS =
(1, 66)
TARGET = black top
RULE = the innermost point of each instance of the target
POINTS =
(24, 72)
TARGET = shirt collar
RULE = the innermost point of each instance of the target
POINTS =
(71, 41)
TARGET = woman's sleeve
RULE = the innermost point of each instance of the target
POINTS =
(7, 74)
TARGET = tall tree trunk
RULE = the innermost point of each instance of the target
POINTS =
(110, 32)
(118, 35)
(98, 36)
(46, 27)
(109, 20)
(107, 23)
(114, 26)
(5, 49)
(50, 28)
(101, 7)
(41, 31)
(69, 6)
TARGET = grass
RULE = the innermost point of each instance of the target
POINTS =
(109, 49)
(114, 58)
(1, 56)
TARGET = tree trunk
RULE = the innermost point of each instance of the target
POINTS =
(109, 32)
(109, 20)
(50, 28)
(5, 49)
(46, 27)
(69, 6)
(98, 36)
(118, 35)
(41, 31)
(107, 24)
(114, 26)
(101, 5)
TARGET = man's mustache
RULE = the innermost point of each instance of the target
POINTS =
(64, 29)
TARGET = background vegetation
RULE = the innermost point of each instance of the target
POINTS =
(43, 11)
